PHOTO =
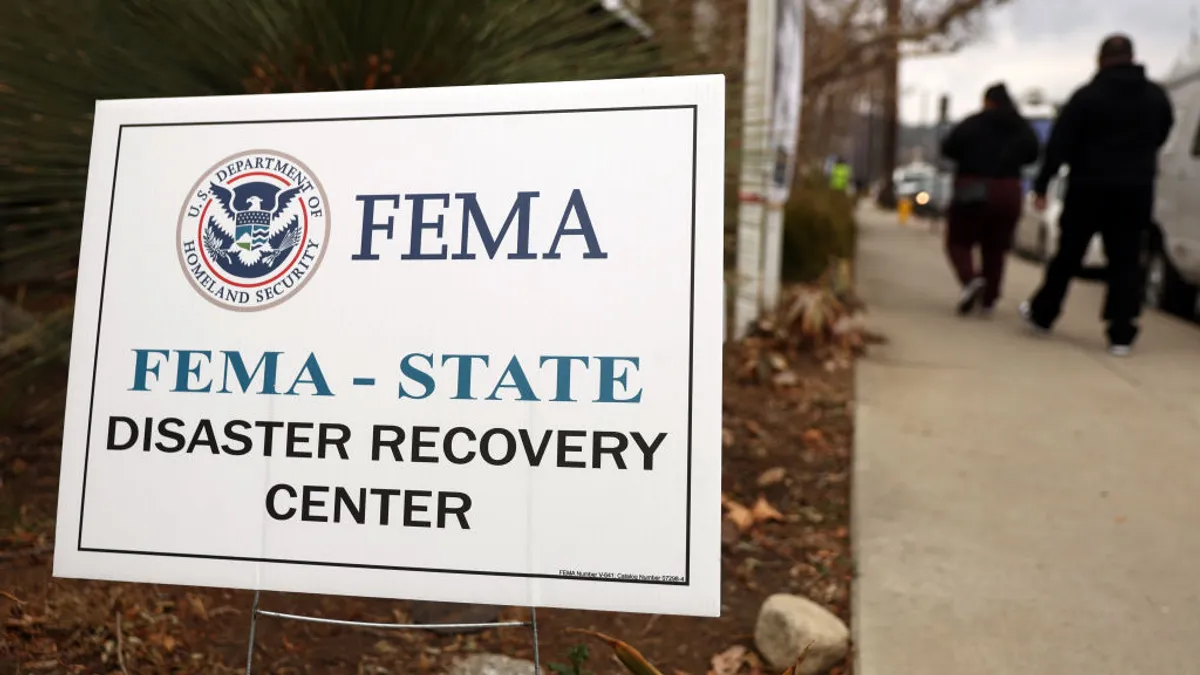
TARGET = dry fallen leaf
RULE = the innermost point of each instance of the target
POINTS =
(771, 476)
(726, 437)
(813, 437)
(729, 661)
(746, 518)
(18, 466)
(795, 667)
(786, 378)
(21, 536)
(385, 647)
(777, 361)
(812, 514)
(755, 428)
(197, 604)
(755, 663)
(763, 511)
(738, 514)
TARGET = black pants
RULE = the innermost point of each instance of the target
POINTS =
(1121, 214)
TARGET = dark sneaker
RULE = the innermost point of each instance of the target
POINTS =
(1121, 337)
(1026, 312)
(970, 295)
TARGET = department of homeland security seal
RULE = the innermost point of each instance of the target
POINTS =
(252, 230)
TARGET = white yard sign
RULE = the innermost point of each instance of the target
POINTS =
(457, 344)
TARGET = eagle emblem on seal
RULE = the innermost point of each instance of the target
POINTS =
(255, 230)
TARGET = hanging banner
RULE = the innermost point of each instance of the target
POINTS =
(787, 92)
(784, 132)
(456, 344)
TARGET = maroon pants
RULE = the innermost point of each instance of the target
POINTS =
(990, 227)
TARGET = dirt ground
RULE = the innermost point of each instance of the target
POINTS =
(787, 440)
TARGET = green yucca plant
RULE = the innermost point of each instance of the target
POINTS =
(57, 57)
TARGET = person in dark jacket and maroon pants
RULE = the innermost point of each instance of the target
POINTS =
(988, 148)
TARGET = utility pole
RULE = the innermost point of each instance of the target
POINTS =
(757, 164)
(873, 134)
(773, 91)
(1194, 33)
(891, 103)
(943, 125)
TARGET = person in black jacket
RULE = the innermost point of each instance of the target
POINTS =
(1109, 134)
(988, 148)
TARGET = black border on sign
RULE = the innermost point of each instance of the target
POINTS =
(401, 568)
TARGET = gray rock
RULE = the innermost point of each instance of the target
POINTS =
(788, 623)
(491, 664)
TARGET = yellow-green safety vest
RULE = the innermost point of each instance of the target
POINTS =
(839, 178)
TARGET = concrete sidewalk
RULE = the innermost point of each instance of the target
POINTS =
(1022, 505)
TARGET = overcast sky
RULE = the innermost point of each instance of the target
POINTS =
(1049, 44)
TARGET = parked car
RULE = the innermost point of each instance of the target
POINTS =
(923, 186)
(1038, 232)
(1172, 252)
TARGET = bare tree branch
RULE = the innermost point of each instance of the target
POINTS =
(860, 33)
(848, 45)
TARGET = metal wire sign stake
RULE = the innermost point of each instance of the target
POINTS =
(255, 612)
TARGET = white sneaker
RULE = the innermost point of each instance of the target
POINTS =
(970, 295)
(1120, 350)
(1026, 312)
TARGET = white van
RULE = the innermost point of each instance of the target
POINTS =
(1037, 232)
(1173, 253)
